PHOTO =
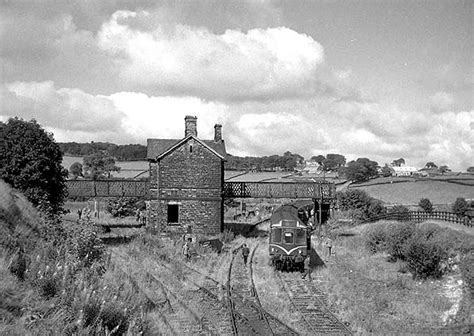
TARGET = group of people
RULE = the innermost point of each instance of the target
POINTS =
(140, 216)
(84, 213)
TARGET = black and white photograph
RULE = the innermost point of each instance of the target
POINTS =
(236, 167)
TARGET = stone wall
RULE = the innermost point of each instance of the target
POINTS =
(191, 176)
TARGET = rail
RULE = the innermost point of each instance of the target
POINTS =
(420, 216)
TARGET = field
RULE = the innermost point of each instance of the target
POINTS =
(410, 192)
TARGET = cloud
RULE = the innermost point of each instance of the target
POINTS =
(123, 117)
(441, 102)
(163, 117)
(309, 127)
(70, 109)
(259, 64)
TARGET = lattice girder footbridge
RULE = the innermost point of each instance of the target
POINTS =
(141, 188)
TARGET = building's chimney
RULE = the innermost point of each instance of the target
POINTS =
(217, 133)
(190, 124)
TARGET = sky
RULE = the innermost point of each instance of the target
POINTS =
(376, 79)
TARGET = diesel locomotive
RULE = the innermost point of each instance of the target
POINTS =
(290, 237)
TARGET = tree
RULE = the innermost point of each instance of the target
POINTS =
(460, 206)
(399, 162)
(470, 170)
(30, 161)
(334, 162)
(426, 205)
(76, 170)
(360, 203)
(319, 159)
(99, 165)
(444, 169)
(386, 171)
(361, 170)
(430, 165)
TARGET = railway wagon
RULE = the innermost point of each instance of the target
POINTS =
(290, 238)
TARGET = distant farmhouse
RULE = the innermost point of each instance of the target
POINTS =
(403, 170)
(187, 178)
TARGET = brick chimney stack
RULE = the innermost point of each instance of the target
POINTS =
(217, 133)
(190, 124)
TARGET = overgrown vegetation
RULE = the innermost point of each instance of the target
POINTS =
(426, 249)
(359, 204)
(124, 206)
(60, 283)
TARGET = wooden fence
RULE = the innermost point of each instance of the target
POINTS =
(420, 216)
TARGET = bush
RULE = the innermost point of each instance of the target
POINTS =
(397, 235)
(86, 246)
(402, 211)
(426, 205)
(375, 237)
(123, 207)
(424, 258)
(359, 203)
(460, 206)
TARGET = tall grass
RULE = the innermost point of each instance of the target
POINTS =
(378, 296)
(61, 285)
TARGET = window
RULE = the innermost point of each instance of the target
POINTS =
(190, 148)
(276, 235)
(173, 211)
(300, 237)
(288, 237)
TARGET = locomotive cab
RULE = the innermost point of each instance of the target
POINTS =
(288, 239)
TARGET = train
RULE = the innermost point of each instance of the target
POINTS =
(290, 236)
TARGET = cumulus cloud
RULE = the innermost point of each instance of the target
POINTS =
(355, 130)
(71, 108)
(258, 64)
(163, 117)
(124, 117)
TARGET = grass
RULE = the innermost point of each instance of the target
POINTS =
(61, 291)
(410, 193)
(374, 295)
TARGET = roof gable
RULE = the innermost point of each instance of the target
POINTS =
(158, 148)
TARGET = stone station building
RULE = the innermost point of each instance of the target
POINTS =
(186, 182)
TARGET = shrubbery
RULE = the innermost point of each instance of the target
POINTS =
(426, 205)
(424, 258)
(425, 249)
(397, 236)
(460, 206)
(375, 237)
(360, 204)
(124, 206)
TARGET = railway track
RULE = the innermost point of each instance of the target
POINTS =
(196, 312)
(235, 305)
(310, 302)
(244, 296)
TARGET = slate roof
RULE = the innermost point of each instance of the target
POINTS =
(156, 147)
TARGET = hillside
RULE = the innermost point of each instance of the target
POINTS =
(409, 191)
